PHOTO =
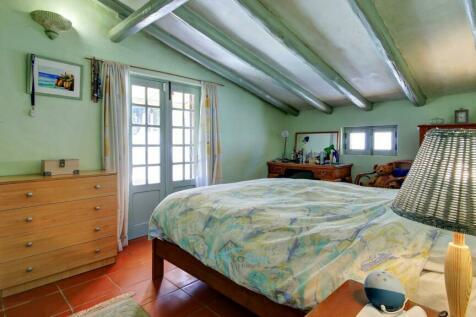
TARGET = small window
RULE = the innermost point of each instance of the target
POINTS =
(377, 140)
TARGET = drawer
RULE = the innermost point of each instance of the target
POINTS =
(275, 169)
(27, 194)
(33, 219)
(28, 269)
(17, 246)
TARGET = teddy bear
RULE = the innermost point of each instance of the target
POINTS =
(384, 175)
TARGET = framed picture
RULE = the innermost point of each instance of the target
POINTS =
(461, 116)
(54, 78)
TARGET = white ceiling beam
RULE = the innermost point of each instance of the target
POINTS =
(470, 8)
(368, 15)
(143, 17)
(221, 38)
(203, 60)
(274, 25)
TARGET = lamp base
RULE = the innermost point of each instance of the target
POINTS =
(458, 275)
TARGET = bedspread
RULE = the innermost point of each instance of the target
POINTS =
(294, 241)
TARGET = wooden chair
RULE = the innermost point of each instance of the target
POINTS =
(364, 178)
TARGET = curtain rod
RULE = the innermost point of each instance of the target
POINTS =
(159, 71)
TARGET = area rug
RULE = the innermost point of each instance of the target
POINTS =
(122, 305)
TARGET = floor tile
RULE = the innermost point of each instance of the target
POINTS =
(226, 307)
(129, 261)
(168, 266)
(200, 291)
(149, 290)
(97, 299)
(175, 304)
(82, 278)
(179, 278)
(88, 291)
(46, 306)
(21, 298)
(128, 277)
(203, 312)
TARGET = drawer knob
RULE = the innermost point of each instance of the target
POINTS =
(97, 229)
(97, 251)
(97, 208)
(29, 244)
(97, 186)
(29, 194)
(29, 269)
(29, 219)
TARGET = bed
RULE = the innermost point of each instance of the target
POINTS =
(281, 246)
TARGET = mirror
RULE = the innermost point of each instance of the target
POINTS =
(315, 141)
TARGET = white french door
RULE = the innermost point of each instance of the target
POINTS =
(162, 123)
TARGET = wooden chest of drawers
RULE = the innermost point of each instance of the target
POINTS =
(55, 227)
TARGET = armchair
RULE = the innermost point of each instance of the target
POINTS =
(399, 172)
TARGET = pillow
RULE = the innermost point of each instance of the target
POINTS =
(400, 172)
(436, 259)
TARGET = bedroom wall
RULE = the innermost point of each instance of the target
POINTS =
(70, 129)
(401, 112)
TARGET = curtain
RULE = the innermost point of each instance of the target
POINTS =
(115, 138)
(208, 166)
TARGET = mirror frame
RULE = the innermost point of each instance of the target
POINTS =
(318, 132)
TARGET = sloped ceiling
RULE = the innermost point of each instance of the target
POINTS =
(433, 36)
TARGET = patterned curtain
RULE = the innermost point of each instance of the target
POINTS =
(208, 164)
(115, 137)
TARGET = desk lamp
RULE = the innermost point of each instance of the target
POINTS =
(440, 191)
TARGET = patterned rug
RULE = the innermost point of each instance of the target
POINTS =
(122, 305)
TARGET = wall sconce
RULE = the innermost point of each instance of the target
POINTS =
(53, 23)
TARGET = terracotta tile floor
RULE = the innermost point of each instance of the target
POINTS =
(178, 295)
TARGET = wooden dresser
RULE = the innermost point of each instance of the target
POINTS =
(424, 128)
(55, 227)
(335, 172)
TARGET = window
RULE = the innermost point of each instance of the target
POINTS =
(376, 140)
(145, 134)
(183, 119)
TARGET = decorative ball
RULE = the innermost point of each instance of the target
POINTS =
(384, 291)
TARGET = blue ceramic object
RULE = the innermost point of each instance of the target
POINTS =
(384, 291)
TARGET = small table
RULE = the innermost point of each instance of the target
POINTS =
(348, 300)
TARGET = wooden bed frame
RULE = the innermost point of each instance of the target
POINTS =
(257, 303)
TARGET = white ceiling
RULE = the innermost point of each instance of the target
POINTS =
(433, 36)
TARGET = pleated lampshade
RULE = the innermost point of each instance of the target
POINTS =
(440, 189)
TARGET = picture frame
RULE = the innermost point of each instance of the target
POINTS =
(54, 78)
(462, 116)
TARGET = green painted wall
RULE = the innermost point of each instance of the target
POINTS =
(70, 129)
(402, 113)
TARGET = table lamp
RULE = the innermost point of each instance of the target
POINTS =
(440, 191)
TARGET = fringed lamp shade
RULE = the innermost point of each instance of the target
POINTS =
(440, 189)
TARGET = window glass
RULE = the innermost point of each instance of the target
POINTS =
(177, 100)
(177, 172)
(138, 135)
(177, 154)
(357, 140)
(153, 116)
(153, 154)
(153, 175)
(177, 118)
(138, 95)
(138, 115)
(153, 136)
(153, 96)
(138, 176)
(138, 155)
(383, 141)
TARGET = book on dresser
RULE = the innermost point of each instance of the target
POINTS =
(53, 227)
